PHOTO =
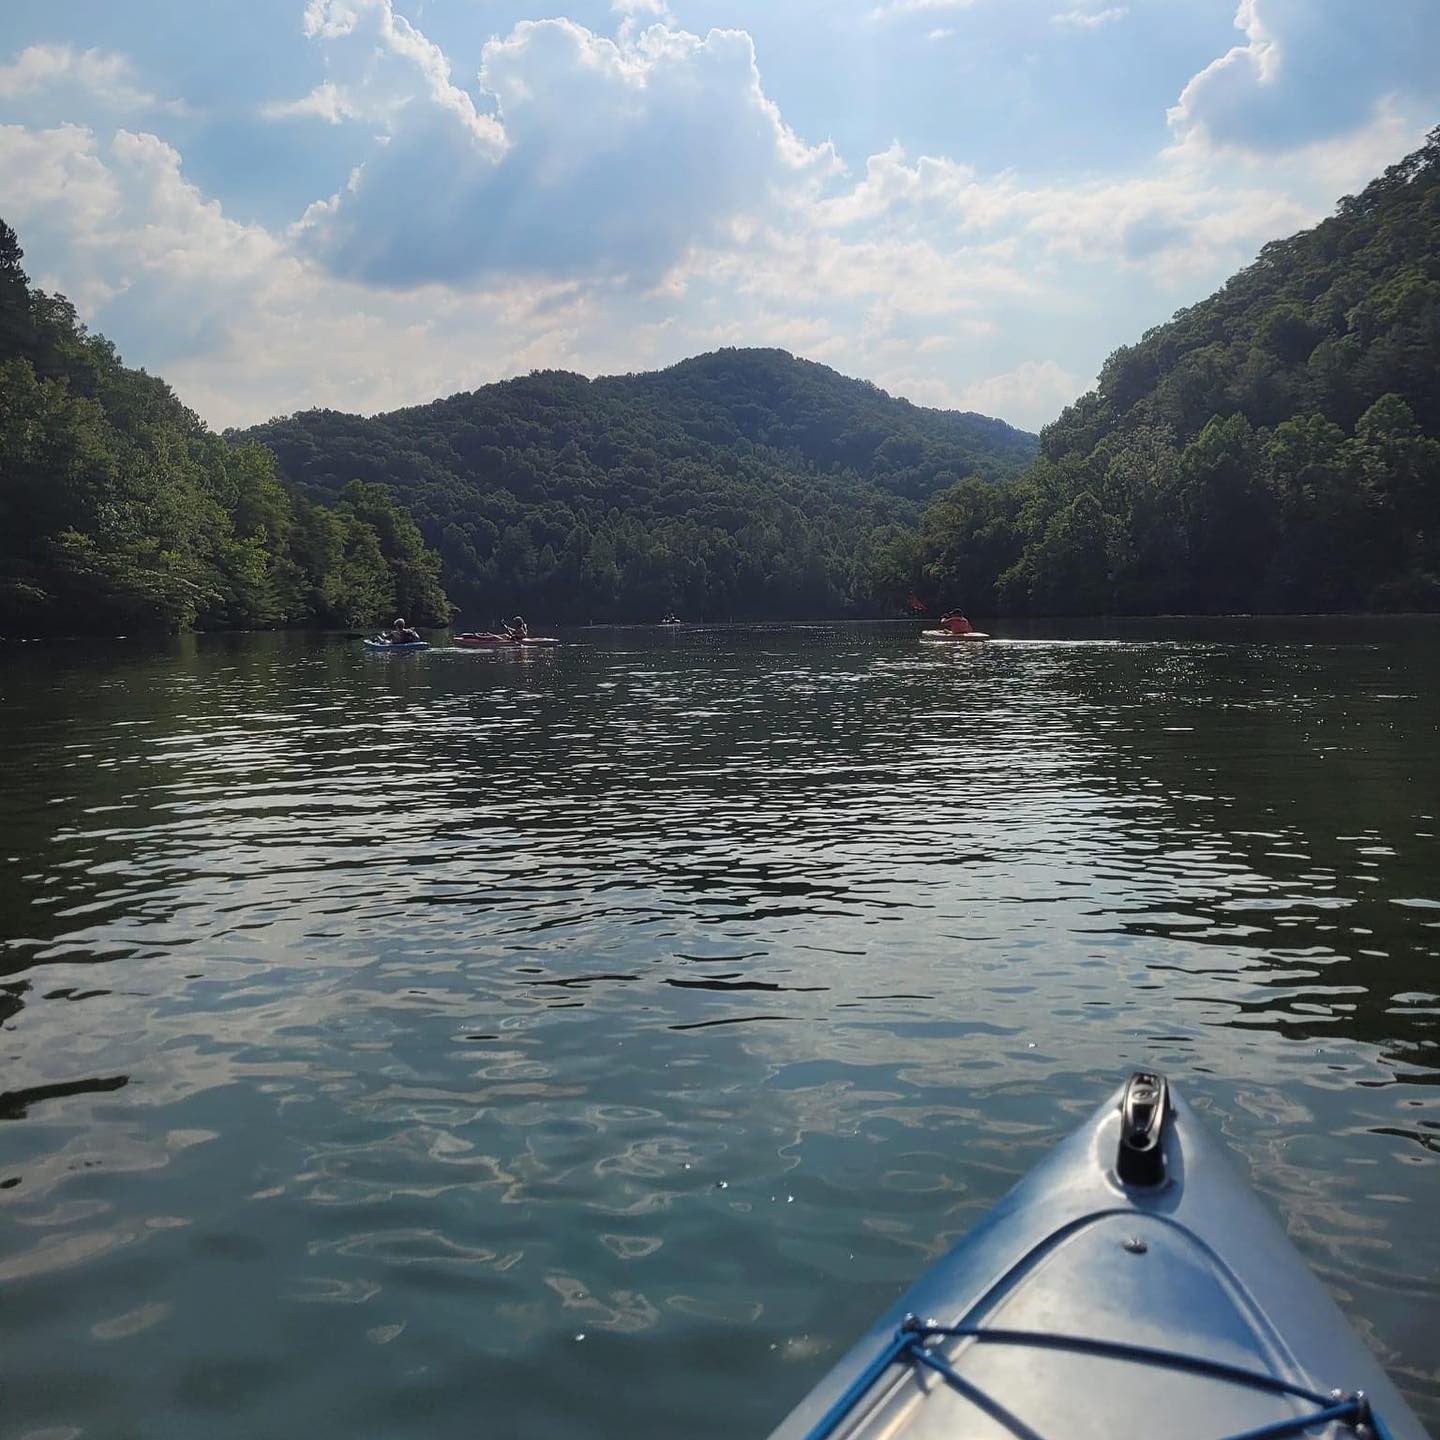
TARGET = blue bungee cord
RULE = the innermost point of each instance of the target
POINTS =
(911, 1343)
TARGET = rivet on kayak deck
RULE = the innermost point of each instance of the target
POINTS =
(1135, 1245)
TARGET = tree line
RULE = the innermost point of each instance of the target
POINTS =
(1274, 448)
(120, 511)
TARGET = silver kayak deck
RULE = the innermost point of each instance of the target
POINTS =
(1086, 1308)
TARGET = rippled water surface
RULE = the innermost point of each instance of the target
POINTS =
(589, 1043)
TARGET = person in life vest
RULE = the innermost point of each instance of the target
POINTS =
(956, 623)
(403, 634)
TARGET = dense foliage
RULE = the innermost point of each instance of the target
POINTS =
(119, 510)
(742, 483)
(1275, 447)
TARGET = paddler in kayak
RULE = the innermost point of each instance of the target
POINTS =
(956, 623)
(517, 629)
(402, 634)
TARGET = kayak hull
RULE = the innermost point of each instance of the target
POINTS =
(1194, 1266)
(489, 641)
(948, 637)
(391, 645)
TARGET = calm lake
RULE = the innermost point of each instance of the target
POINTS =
(588, 1043)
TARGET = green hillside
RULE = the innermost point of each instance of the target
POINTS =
(1275, 447)
(741, 483)
(120, 511)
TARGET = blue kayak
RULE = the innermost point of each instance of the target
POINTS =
(1131, 1286)
(391, 645)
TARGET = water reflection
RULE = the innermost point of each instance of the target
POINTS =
(684, 994)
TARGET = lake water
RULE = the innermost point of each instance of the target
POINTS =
(589, 1043)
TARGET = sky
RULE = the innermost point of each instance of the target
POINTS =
(361, 204)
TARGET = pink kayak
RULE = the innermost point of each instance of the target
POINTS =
(478, 639)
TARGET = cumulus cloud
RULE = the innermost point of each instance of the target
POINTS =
(395, 62)
(144, 241)
(613, 158)
(107, 80)
(1310, 70)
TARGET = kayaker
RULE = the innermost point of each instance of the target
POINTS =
(956, 623)
(517, 628)
(403, 634)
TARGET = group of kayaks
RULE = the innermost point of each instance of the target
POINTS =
(1130, 1288)
(470, 640)
(495, 639)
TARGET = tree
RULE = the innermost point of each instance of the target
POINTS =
(119, 510)
(414, 570)
(1229, 516)
(1069, 571)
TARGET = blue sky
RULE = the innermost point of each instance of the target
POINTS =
(369, 203)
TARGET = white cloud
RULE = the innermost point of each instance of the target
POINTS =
(139, 237)
(54, 180)
(892, 8)
(1029, 396)
(326, 101)
(1179, 217)
(1350, 161)
(1243, 67)
(107, 80)
(1310, 71)
(233, 318)
(1089, 19)
(376, 32)
(613, 158)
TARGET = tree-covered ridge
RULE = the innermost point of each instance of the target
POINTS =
(1275, 447)
(119, 510)
(742, 483)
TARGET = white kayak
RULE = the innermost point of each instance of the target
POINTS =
(949, 637)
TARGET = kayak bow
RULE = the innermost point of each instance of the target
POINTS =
(1130, 1286)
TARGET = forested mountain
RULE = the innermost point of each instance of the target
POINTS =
(1275, 447)
(741, 483)
(119, 510)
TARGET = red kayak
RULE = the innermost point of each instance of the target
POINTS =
(485, 639)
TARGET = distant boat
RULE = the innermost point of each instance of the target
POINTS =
(951, 636)
(489, 639)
